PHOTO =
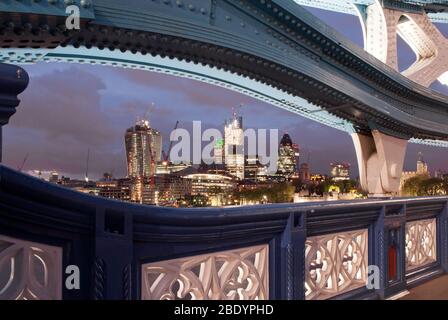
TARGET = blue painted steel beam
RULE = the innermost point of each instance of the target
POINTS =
(111, 263)
(437, 10)
(48, 7)
(271, 42)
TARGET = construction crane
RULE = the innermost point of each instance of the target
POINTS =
(166, 156)
(23, 163)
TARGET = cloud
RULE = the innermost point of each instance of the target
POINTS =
(64, 104)
(195, 92)
(58, 119)
(70, 108)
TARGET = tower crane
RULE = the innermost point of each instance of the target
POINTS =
(23, 163)
(166, 156)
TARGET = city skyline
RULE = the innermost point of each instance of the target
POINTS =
(92, 111)
(154, 185)
(135, 135)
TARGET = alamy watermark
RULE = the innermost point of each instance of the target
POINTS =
(373, 277)
(190, 147)
(72, 282)
(73, 21)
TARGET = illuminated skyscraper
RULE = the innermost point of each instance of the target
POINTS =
(286, 157)
(296, 148)
(234, 146)
(340, 171)
(143, 149)
(219, 151)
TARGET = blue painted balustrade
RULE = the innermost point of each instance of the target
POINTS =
(319, 250)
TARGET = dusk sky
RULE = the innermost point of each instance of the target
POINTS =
(69, 108)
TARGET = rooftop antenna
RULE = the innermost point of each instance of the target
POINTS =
(87, 165)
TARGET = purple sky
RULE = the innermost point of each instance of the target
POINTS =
(69, 108)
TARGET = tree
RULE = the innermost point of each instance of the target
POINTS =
(197, 200)
(420, 186)
(277, 193)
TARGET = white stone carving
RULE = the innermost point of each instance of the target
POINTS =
(380, 161)
(421, 242)
(240, 274)
(335, 263)
(29, 271)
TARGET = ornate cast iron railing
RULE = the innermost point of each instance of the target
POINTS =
(336, 263)
(319, 250)
(421, 243)
(29, 270)
(240, 274)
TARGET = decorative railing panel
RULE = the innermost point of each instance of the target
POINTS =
(304, 251)
(240, 274)
(421, 239)
(335, 263)
(29, 270)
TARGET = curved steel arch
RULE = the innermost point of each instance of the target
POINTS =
(274, 43)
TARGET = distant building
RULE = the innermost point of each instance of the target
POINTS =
(115, 189)
(143, 149)
(88, 188)
(304, 172)
(215, 187)
(441, 174)
(207, 184)
(141, 190)
(73, 183)
(286, 164)
(170, 188)
(317, 178)
(219, 151)
(51, 176)
(422, 167)
(254, 171)
(421, 170)
(340, 171)
(54, 177)
(212, 168)
(166, 167)
(234, 146)
(296, 148)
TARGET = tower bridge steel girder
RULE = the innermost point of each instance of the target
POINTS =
(381, 25)
(437, 11)
(269, 49)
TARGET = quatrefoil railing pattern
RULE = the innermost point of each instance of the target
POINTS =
(421, 239)
(29, 271)
(335, 263)
(240, 274)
